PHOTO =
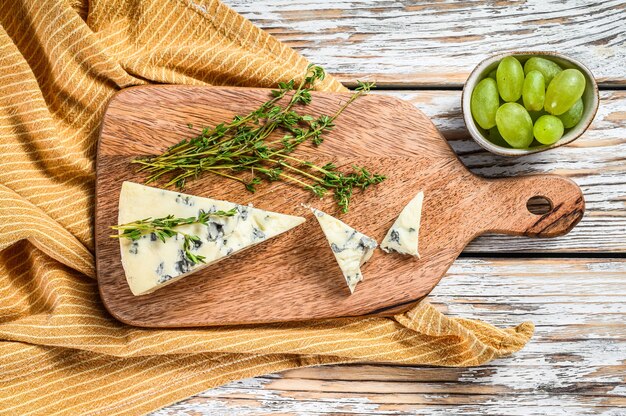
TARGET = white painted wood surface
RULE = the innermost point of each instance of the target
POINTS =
(576, 362)
(438, 42)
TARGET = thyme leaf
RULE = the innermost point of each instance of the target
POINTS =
(165, 227)
(244, 146)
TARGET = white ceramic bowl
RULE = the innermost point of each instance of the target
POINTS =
(590, 100)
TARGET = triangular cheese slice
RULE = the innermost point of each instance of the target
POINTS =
(350, 247)
(150, 264)
(403, 235)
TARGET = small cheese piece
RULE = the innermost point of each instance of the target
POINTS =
(403, 235)
(351, 248)
(150, 264)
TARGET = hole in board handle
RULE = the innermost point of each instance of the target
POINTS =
(539, 205)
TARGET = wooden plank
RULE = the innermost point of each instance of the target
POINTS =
(440, 42)
(575, 363)
(596, 161)
(275, 403)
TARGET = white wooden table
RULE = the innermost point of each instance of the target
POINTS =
(573, 288)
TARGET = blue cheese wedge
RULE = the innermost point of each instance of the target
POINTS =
(350, 247)
(151, 264)
(403, 235)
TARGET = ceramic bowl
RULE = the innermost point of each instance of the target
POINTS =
(590, 100)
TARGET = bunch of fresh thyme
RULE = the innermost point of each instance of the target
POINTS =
(245, 145)
(164, 228)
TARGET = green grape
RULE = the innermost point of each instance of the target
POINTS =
(534, 91)
(515, 125)
(492, 75)
(510, 78)
(572, 116)
(548, 129)
(496, 138)
(564, 90)
(547, 68)
(485, 103)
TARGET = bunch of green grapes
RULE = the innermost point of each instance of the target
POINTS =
(538, 101)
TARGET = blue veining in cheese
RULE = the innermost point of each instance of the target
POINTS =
(150, 264)
(403, 236)
(350, 247)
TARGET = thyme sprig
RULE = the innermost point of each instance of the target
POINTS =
(165, 227)
(248, 150)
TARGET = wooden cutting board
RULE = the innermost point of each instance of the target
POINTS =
(295, 276)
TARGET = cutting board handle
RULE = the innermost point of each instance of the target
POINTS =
(513, 194)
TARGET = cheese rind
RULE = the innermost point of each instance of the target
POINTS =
(350, 247)
(403, 236)
(150, 264)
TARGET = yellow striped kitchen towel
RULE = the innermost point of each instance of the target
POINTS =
(60, 351)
